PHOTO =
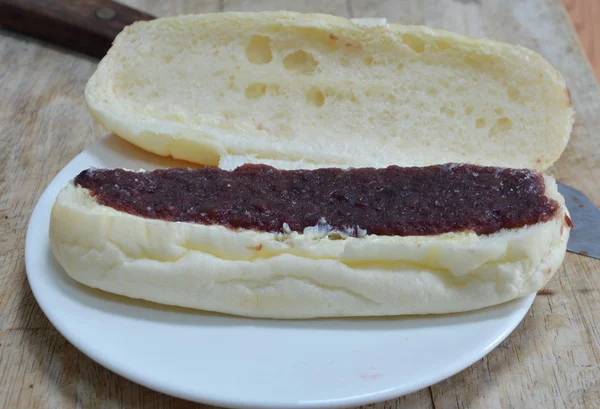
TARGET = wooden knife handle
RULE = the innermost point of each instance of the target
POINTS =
(87, 26)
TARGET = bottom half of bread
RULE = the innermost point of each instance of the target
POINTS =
(295, 275)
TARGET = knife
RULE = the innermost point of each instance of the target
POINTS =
(86, 26)
(90, 26)
(585, 236)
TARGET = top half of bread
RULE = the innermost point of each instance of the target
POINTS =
(300, 90)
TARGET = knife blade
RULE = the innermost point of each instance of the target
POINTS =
(585, 236)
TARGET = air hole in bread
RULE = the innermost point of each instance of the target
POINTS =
(513, 93)
(386, 116)
(274, 89)
(432, 91)
(256, 90)
(315, 97)
(333, 94)
(400, 67)
(258, 50)
(232, 82)
(368, 60)
(499, 111)
(167, 59)
(300, 61)
(468, 110)
(339, 96)
(480, 123)
(501, 125)
(445, 107)
(142, 82)
(216, 52)
(415, 42)
(442, 44)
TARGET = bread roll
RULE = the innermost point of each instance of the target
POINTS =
(310, 90)
(303, 275)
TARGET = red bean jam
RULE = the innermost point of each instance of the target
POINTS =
(392, 201)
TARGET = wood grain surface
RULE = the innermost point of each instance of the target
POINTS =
(585, 16)
(550, 361)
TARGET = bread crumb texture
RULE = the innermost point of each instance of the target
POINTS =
(281, 86)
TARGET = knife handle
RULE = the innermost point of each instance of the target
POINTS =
(86, 26)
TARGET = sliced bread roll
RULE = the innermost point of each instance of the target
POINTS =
(314, 91)
(310, 90)
(302, 274)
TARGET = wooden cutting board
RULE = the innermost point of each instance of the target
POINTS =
(552, 360)
(585, 16)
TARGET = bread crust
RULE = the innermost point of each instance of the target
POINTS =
(298, 276)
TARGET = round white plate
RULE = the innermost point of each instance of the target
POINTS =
(238, 362)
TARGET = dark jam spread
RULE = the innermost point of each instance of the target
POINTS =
(389, 201)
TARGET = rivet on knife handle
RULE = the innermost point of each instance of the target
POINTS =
(86, 26)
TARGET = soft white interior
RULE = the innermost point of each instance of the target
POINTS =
(299, 275)
(324, 90)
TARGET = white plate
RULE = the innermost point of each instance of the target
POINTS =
(238, 362)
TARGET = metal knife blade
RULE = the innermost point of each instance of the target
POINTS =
(585, 236)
